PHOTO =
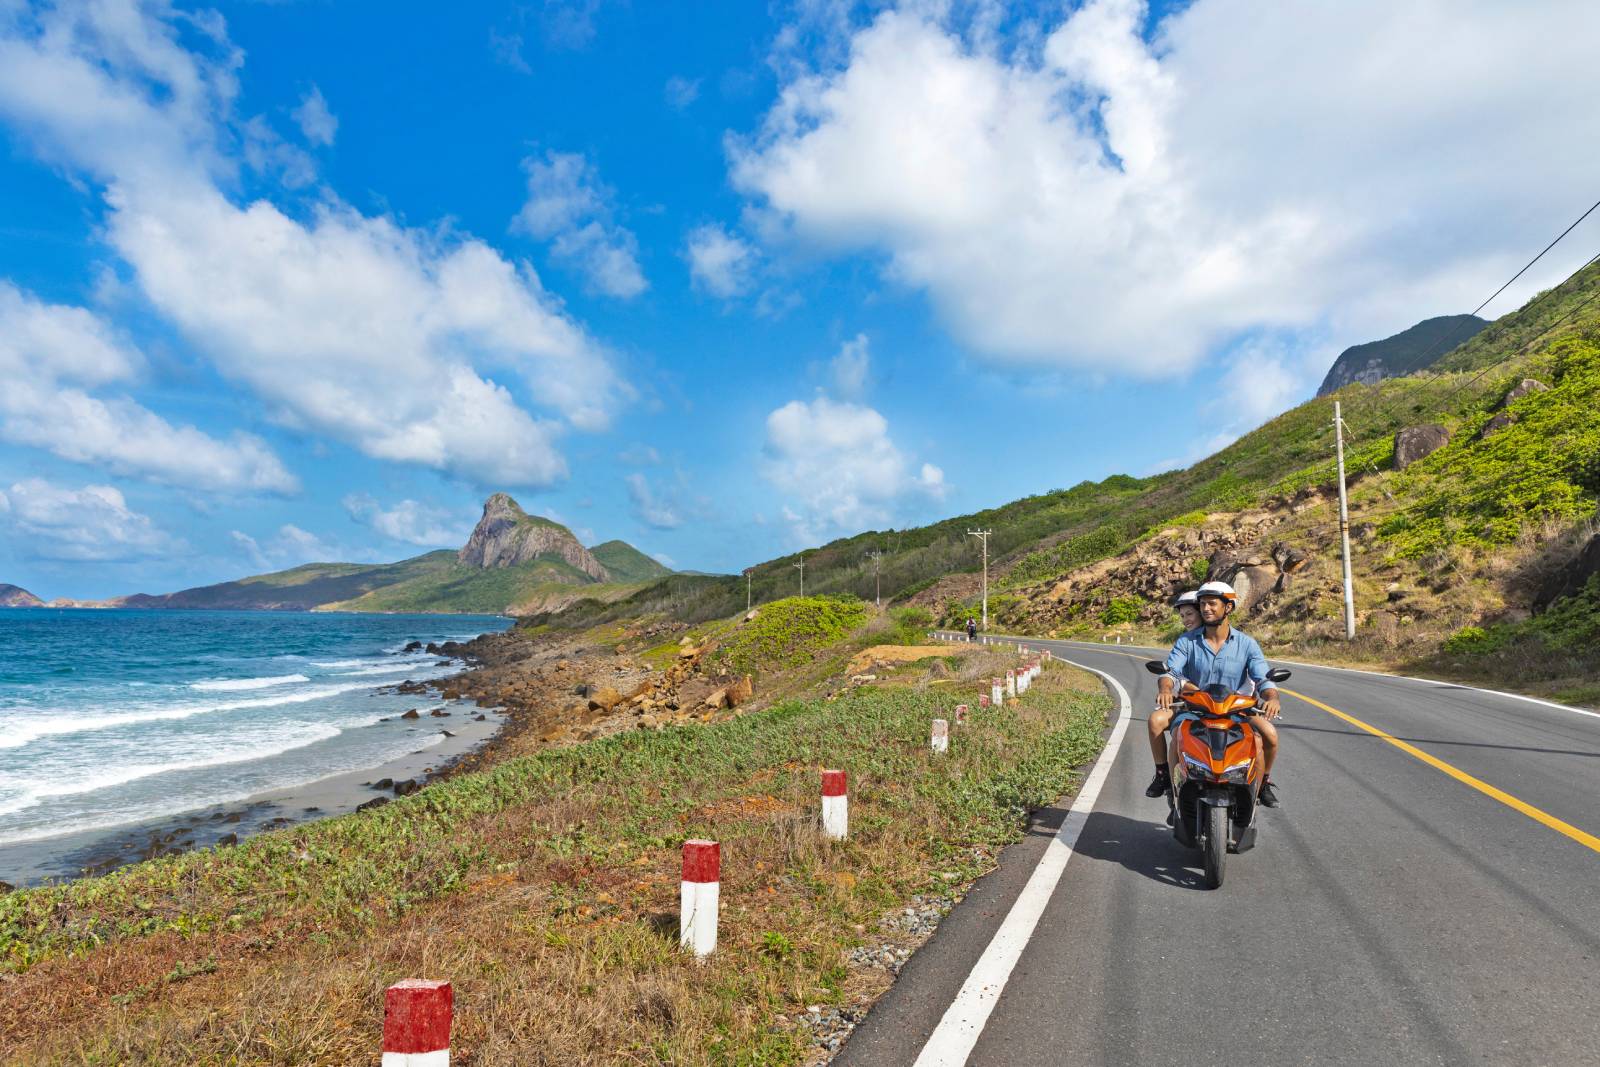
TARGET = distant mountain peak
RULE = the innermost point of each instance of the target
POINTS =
(507, 536)
(1405, 353)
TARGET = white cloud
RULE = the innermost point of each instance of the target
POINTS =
(640, 456)
(850, 369)
(89, 524)
(312, 311)
(719, 262)
(1088, 199)
(837, 463)
(52, 357)
(570, 207)
(681, 92)
(650, 508)
(318, 123)
(291, 546)
(411, 521)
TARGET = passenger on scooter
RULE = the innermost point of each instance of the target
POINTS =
(1217, 654)
(1161, 718)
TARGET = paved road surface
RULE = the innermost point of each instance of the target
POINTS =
(1391, 913)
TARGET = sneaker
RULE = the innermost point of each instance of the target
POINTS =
(1159, 784)
(1268, 795)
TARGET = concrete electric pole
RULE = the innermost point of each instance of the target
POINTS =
(802, 566)
(749, 576)
(983, 535)
(877, 582)
(1344, 528)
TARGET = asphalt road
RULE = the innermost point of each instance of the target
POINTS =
(1391, 912)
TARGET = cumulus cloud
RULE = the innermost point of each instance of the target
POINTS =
(319, 124)
(410, 521)
(850, 369)
(719, 262)
(291, 546)
(53, 358)
(311, 310)
(658, 512)
(838, 463)
(1086, 197)
(569, 207)
(89, 524)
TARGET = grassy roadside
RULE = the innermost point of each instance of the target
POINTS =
(546, 890)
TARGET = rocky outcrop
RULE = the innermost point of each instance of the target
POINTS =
(1418, 442)
(13, 596)
(507, 536)
(1404, 353)
(1505, 417)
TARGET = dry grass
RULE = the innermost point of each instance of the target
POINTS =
(559, 929)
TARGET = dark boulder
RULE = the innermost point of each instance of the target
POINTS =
(412, 714)
(407, 787)
(413, 646)
(1569, 579)
(375, 802)
(383, 783)
(1417, 442)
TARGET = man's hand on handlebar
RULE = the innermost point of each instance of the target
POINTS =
(1164, 695)
(1270, 708)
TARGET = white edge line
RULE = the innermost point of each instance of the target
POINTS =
(953, 1039)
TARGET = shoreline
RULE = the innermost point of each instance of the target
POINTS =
(473, 730)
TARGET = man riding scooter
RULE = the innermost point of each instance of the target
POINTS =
(1216, 654)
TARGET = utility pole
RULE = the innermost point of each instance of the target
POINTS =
(749, 573)
(983, 535)
(877, 583)
(802, 566)
(1344, 528)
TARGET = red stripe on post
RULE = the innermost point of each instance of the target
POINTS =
(702, 861)
(416, 1016)
(833, 783)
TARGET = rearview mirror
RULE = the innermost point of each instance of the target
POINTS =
(1278, 674)
(1155, 666)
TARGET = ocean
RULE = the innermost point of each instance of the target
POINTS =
(115, 717)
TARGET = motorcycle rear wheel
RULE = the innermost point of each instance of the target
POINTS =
(1215, 846)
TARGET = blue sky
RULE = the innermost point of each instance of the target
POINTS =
(283, 282)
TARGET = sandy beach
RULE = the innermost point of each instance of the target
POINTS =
(98, 851)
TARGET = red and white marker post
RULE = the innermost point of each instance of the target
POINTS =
(941, 735)
(961, 714)
(699, 896)
(835, 806)
(1047, 655)
(1011, 684)
(983, 700)
(416, 1023)
(997, 693)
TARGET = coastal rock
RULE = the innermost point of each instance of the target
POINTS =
(375, 802)
(507, 536)
(412, 714)
(383, 783)
(413, 646)
(439, 713)
(407, 787)
(227, 839)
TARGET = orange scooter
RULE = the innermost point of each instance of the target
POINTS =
(1217, 770)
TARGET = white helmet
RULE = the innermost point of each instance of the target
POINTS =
(1186, 598)
(1218, 589)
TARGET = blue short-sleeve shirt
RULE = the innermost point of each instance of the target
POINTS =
(1238, 660)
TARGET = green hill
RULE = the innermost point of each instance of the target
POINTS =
(1451, 539)
(463, 588)
(627, 564)
(299, 588)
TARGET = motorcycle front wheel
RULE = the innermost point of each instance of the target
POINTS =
(1216, 844)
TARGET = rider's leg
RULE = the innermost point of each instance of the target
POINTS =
(1269, 742)
(1159, 721)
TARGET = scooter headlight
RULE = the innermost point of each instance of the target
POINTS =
(1195, 767)
(1238, 772)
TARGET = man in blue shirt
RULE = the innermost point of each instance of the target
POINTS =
(1217, 654)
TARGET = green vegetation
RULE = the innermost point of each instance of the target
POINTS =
(627, 564)
(1562, 642)
(459, 587)
(1122, 609)
(570, 858)
(790, 632)
(302, 588)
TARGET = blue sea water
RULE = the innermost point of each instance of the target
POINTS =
(112, 717)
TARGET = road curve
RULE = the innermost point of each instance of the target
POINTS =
(1430, 899)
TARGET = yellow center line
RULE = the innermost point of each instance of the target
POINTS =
(1586, 839)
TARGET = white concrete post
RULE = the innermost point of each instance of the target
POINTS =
(835, 806)
(941, 736)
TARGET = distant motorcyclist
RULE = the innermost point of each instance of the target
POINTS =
(972, 630)
(1217, 654)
